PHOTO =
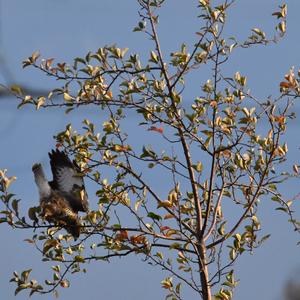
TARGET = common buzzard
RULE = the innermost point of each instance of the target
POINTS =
(62, 198)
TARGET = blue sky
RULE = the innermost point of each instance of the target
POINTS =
(66, 29)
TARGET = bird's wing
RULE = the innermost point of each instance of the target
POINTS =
(68, 180)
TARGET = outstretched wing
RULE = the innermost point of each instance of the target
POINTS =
(68, 180)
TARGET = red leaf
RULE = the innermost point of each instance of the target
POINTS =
(163, 228)
(285, 84)
(61, 67)
(137, 239)
(122, 236)
(156, 129)
(49, 62)
(29, 241)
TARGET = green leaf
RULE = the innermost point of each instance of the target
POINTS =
(159, 255)
(25, 274)
(175, 246)
(147, 152)
(79, 258)
(16, 89)
(32, 214)
(178, 288)
(282, 209)
(15, 206)
(49, 244)
(154, 216)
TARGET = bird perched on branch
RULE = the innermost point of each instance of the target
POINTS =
(62, 198)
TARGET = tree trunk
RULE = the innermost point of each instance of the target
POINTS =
(204, 276)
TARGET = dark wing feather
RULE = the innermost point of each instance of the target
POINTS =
(68, 181)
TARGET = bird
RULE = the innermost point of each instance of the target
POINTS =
(62, 198)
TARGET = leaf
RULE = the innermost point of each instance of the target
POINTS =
(264, 238)
(156, 129)
(49, 244)
(171, 232)
(29, 241)
(40, 102)
(232, 254)
(147, 152)
(204, 2)
(198, 167)
(221, 229)
(121, 148)
(15, 206)
(138, 239)
(79, 258)
(93, 217)
(175, 246)
(178, 288)
(8, 180)
(159, 255)
(124, 51)
(282, 26)
(246, 111)
(167, 283)
(282, 209)
(55, 294)
(61, 67)
(259, 32)
(67, 97)
(168, 216)
(154, 57)
(284, 84)
(16, 89)
(48, 62)
(163, 228)
(25, 274)
(154, 216)
(79, 59)
(137, 204)
(122, 236)
(166, 204)
(238, 236)
(213, 104)
(65, 283)
(35, 55)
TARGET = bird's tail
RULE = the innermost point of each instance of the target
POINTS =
(74, 228)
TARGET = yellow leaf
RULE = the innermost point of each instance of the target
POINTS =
(282, 26)
(109, 95)
(16, 89)
(9, 180)
(35, 55)
(67, 97)
(168, 216)
(40, 102)
(27, 98)
(154, 57)
(165, 203)
(246, 111)
(79, 258)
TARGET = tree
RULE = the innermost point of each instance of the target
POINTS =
(211, 150)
